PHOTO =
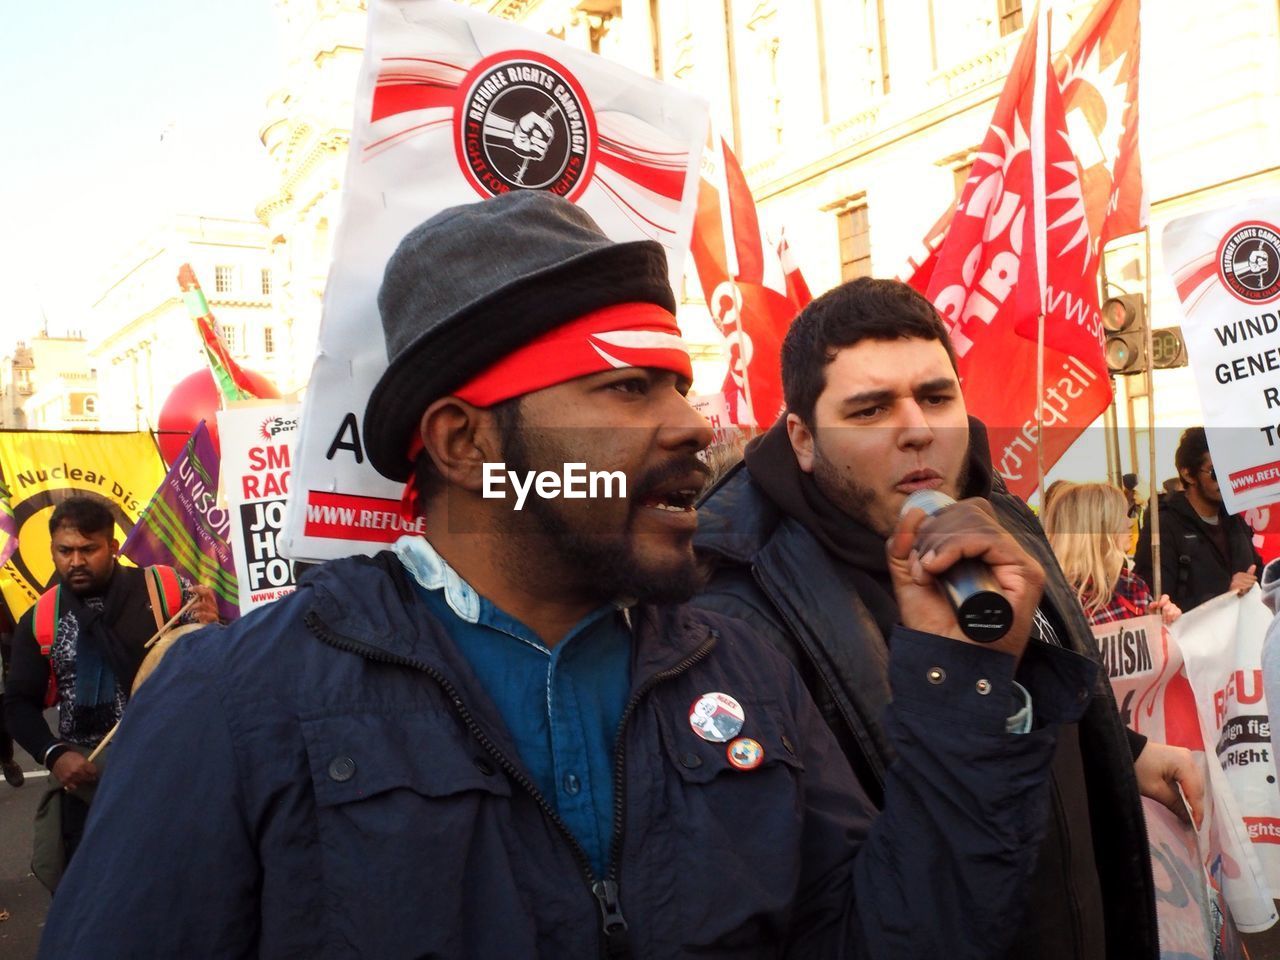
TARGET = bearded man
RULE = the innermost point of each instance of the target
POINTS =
(486, 742)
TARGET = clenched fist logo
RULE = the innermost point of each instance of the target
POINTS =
(532, 135)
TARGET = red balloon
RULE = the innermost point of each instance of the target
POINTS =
(196, 398)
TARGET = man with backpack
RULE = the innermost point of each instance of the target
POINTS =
(81, 643)
(1204, 550)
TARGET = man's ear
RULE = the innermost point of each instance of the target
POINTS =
(801, 438)
(115, 547)
(460, 439)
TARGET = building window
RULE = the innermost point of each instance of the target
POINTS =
(853, 54)
(228, 334)
(854, 227)
(268, 341)
(1010, 16)
(222, 279)
(961, 175)
(266, 282)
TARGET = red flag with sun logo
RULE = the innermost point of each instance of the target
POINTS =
(995, 263)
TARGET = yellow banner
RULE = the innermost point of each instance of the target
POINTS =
(40, 469)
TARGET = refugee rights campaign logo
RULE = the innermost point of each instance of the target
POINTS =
(523, 123)
(1249, 262)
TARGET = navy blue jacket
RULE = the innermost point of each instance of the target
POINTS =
(326, 779)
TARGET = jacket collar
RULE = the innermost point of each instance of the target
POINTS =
(372, 601)
(735, 519)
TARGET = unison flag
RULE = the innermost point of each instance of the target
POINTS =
(184, 527)
(42, 468)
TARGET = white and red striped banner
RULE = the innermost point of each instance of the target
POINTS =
(454, 106)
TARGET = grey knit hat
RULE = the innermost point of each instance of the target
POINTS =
(478, 281)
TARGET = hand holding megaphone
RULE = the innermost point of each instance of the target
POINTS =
(958, 573)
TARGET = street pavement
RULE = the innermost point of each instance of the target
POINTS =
(20, 893)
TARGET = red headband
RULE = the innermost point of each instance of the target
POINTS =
(615, 337)
(618, 336)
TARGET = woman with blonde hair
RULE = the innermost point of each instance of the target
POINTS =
(1088, 527)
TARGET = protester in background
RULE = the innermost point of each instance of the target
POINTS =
(480, 743)
(796, 539)
(1204, 551)
(1133, 503)
(1088, 527)
(103, 619)
(13, 774)
(1050, 492)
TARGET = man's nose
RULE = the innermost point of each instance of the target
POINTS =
(683, 427)
(915, 431)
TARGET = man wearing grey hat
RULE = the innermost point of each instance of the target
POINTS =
(486, 742)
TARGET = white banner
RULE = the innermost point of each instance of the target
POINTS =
(257, 454)
(453, 106)
(1144, 661)
(1221, 643)
(1225, 265)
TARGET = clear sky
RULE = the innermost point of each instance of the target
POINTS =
(114, 115)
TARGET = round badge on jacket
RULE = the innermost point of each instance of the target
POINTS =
(716, 717)
(745, 753)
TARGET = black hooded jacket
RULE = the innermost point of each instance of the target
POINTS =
(1192, 568)
(818, 595)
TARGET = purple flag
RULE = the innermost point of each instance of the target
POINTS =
(184, 527)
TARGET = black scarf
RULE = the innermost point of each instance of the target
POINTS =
(109, 648)
(858, 549)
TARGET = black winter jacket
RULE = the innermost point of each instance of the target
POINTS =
(1192, 569)
(771, 572)
(326, 779)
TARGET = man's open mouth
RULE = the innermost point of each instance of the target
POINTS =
(676, 501)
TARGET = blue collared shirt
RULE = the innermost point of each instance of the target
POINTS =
(562, 706)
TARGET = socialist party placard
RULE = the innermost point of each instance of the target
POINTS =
(257, 462)
(1225, 265)
(453, 106)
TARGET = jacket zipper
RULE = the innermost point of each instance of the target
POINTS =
(606, 891)
(612, 923)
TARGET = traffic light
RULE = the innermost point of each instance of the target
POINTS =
(1124, 318)
(1167, 348)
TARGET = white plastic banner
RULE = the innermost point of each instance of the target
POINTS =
(257, 454)
(1145, 663)
(453, 106)
(1221, 643)
(1225, 265)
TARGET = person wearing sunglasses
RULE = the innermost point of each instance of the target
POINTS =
(1204, 551)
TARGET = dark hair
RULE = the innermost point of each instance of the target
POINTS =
(1193, 447)
(862, 309)
(85, 515)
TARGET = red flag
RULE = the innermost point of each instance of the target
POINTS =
(232, 383)
(753, 293)
(988, 278)
(1098, 76)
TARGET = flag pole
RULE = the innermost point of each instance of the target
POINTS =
(1153, 502)
(1040, 221)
